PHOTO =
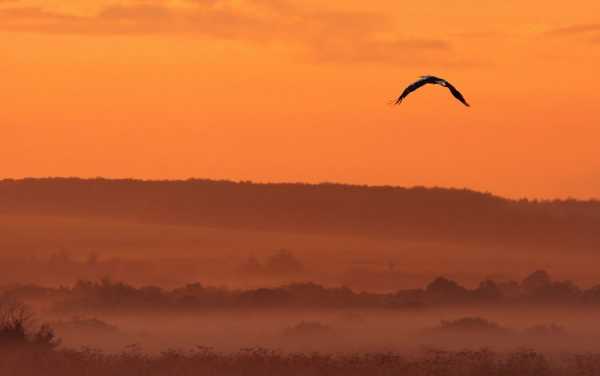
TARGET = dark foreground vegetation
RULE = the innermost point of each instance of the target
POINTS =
(257, 361)
(430, 214)
(18, 329)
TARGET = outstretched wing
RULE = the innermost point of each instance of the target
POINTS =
(414, 86)
(456, 94)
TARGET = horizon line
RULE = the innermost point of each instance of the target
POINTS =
(301, 183)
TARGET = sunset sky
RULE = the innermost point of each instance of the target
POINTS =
(281, 90)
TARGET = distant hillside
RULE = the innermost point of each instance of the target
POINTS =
(432, 214)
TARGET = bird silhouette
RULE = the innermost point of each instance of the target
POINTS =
(424, 80)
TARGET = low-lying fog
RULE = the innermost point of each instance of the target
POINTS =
(554, 329)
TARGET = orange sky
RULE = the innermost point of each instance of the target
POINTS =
(282, 90)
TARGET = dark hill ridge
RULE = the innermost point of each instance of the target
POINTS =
(433, 214)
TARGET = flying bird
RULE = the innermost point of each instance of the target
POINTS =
(423, 80)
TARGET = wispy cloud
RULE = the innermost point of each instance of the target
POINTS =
(575, 30)
(479, 34)
(326, 35)
(588, 33)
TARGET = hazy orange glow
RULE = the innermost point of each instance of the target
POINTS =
(281, 90)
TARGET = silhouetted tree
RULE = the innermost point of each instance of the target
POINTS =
(283, 262)
(443, 290)
(536, 280)
(487, 291)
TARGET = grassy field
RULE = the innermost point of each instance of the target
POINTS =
(256, 361)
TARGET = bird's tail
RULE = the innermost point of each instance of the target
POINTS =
(395, 101)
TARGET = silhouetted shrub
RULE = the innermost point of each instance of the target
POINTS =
(14, 318)
(17, 327)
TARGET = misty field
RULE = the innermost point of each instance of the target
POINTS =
(154, 278)
(341, 342)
